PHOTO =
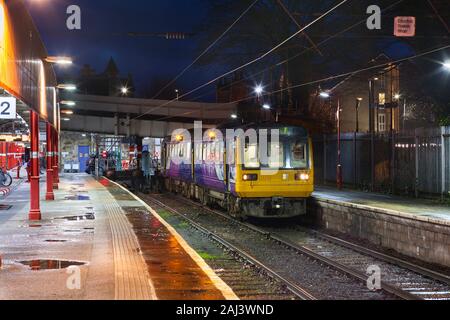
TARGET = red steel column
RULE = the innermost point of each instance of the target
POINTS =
(49, 195)
(55, 159)
(35, 211)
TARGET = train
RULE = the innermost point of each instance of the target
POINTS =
(231, 171)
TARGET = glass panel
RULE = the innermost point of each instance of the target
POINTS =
(251, 159)
(276, 156)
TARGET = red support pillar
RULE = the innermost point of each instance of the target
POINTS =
(49, 195)
(55, 160)
(35, 211)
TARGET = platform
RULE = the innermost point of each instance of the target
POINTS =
(97, 241)
(421, 209)
(417, 228)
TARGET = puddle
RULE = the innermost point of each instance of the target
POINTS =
(36, 265)
(89, 216)
(77, 197)
(55, 241)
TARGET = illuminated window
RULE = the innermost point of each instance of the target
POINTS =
(382, 99)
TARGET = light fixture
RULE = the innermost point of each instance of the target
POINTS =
(65, 119)
(68, 103)
(69, 87)
(124, 90)
(234, 116)
(359, 99)
(212, 135)
(397, 96)
(266, 106)
(66, 111)
(59, 60)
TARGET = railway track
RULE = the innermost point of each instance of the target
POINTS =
(307, 275)
(399, 277)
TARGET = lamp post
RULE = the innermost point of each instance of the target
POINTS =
(339, 176)
(358, 105)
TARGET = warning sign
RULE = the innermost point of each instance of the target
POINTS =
(405, 26)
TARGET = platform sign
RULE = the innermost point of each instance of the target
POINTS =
(7, 108)
(405, 26)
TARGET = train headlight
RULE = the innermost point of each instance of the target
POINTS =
(250, 177)
(302, 176)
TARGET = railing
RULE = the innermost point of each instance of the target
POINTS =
(412, 163)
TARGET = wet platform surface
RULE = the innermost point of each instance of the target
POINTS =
(120, 249)
(174, 274)
(415, 207)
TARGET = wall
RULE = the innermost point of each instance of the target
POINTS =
(422, 238)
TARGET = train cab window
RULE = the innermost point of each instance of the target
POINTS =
(298, 155)
(251, 159)
(276, 156)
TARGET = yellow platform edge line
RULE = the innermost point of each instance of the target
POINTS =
(226, 291)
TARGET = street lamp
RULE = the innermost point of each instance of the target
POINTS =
(339, 179)
(266, 106)
(234, 116)
(446, 65)
(124, 90)
(259, 90)
(177, 92)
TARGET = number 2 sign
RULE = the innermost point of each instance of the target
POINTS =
(7, 108)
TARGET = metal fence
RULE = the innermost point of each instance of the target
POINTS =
(412, 163)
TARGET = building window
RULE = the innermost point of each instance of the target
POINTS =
(382, 99)
(382, 122)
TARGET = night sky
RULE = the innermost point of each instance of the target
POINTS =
(103, 20)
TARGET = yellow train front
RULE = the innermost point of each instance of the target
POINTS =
(234, 173)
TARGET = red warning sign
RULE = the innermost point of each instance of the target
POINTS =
(405, 26)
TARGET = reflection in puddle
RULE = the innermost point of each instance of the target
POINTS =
(89, 216)
(37, 265)
(77, 197)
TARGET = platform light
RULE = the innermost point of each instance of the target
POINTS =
(266, 106)
(68, 87)
(59, 60)
(67, 112)
(68, 103)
